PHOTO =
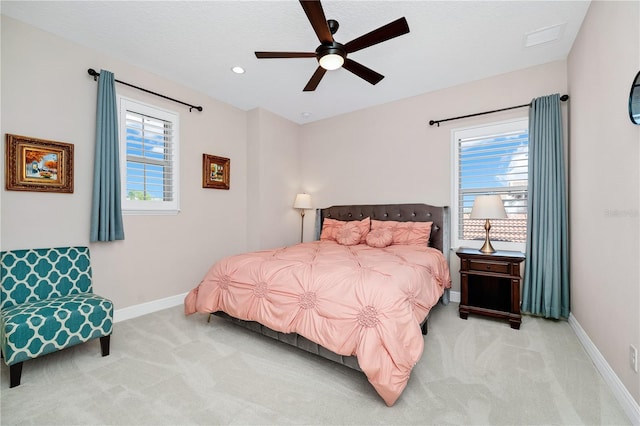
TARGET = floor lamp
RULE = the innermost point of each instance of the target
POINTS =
(302, 203)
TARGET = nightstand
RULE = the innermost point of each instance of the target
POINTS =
(490, 284)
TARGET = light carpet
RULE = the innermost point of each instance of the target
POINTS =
(167, 369)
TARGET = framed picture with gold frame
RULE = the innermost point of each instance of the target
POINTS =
(215, 171)
(38, 165)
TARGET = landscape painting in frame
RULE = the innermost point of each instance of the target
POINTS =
(215, 171)
(38, 165)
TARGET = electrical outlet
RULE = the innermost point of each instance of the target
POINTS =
(633, 358)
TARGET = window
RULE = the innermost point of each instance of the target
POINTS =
(491, 159)
(149, 158)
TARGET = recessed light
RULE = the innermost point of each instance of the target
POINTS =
(305, 114)
(238, 70)
(544, 35)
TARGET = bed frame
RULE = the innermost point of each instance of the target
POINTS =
(399, 212)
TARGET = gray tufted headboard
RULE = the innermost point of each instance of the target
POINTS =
(440, 236)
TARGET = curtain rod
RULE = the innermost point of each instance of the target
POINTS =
(432, 122)
(96, 74)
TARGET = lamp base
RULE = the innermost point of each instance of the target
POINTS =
(302, 225)
(487, 247)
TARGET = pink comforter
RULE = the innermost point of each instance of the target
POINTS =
(353, 300)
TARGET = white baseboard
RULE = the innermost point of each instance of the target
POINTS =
(148, 307)
(629, 405)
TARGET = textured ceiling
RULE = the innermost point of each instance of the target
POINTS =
(196, 43)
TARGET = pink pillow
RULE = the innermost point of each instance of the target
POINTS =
(329, 229)
(331, 226)
(406, 233)
(380, 238)
(349, 234)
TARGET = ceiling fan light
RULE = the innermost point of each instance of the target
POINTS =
(331, 61)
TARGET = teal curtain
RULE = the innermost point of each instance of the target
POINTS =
(106, 211)
(546, 275)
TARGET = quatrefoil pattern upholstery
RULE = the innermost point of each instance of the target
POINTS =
(47, 302)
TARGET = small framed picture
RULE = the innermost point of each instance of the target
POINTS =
(215, 171)
(38, 165)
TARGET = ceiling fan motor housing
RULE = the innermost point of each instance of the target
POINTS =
(334, 48)
(331, 56)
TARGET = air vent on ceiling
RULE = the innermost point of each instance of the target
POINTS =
(544, 35)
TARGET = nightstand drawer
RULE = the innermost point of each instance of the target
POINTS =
(493, 266)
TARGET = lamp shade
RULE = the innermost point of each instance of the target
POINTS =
(488, 207)
(303, 201)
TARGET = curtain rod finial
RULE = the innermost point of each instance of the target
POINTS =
(93, 73)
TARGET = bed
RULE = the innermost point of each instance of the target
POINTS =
(355, 296)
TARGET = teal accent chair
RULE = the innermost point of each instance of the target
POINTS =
(47, 304)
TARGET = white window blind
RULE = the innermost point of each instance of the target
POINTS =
(492, 159)
(149, 143)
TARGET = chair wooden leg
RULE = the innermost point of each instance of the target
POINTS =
(104, 345)
(15, 371)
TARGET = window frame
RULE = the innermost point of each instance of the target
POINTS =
(148, 207)
(498, 127)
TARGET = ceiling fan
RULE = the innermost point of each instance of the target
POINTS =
(332, 55)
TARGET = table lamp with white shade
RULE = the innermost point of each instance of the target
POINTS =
(302, 203)
(488, 207)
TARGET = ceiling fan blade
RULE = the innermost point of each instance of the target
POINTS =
(315, 14)
(384, 33)
(361, 71)
(315, 80)
(268, 55)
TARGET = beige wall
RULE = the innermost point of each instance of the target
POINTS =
(390, 154)
(274, 180)
(605, 187)
(47, 93)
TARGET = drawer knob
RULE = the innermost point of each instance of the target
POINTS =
(488, 266)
